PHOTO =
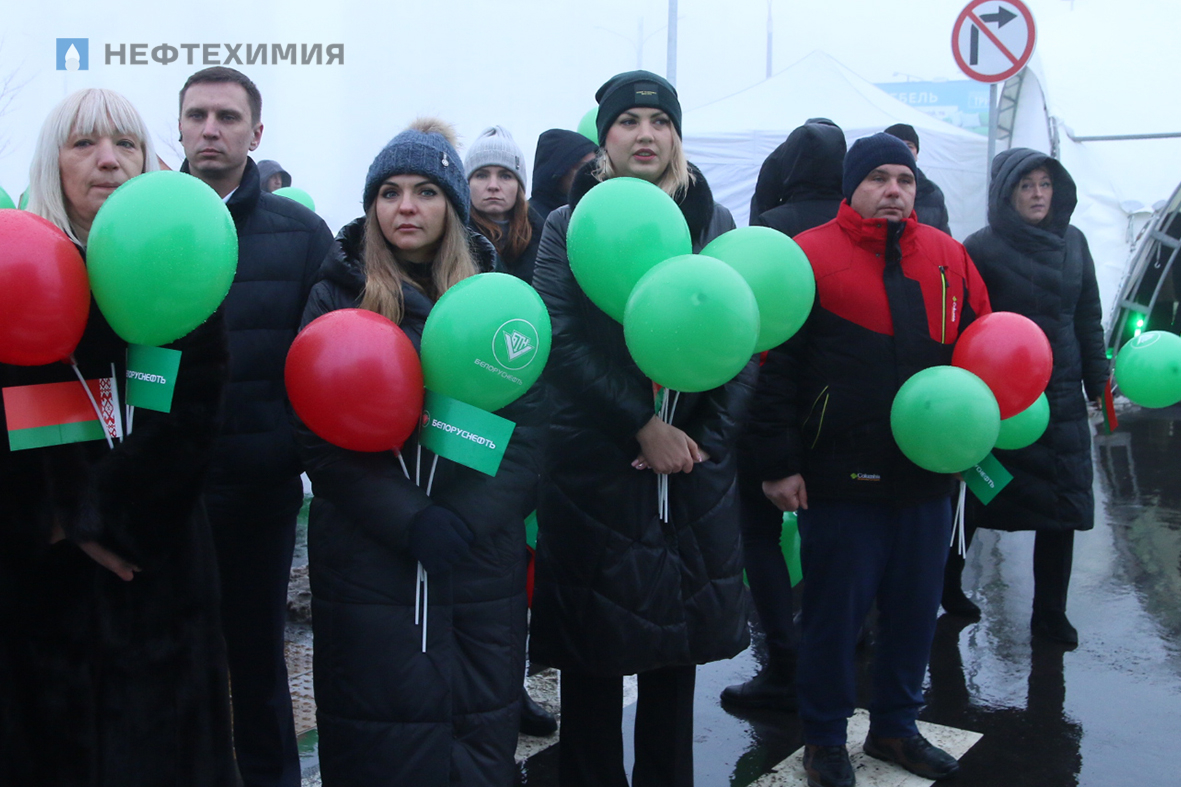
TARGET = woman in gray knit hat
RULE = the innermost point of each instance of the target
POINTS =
(410, 690)
(496, 174)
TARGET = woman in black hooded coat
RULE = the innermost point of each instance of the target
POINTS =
(388, 711)
(618, 591)
(1034, 263)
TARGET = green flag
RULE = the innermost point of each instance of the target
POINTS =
(151, 376)
(987, 479)
(465, 434)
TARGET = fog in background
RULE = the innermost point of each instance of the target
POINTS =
(530, 65)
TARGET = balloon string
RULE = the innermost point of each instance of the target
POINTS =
(93, 403)
(425, 606)
(402, 462)
(417, 594)
(963, 521)
(957, 524)
(117, 408)
(417, 464)
(430, 481)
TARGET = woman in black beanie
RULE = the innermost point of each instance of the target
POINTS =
(618, 591)
(395, 706)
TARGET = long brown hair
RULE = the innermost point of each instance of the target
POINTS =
(511, 243)
(385, 273)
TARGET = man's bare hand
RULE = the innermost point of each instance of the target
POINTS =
(109, 560)
(788, 494)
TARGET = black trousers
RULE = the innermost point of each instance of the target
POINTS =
(254, 533)
(766, 568)
(1053, 560)
(590, 751)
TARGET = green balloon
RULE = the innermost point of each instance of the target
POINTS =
(691, 323)
(486, 341)
(531, 530)
(5, 200)
(299, 195)
(1148, 369)
(945, 419)
(587, 126)
(24, 201)
(778, 273)
(789, 542)
(620, 230)
(161, 256)
(1025, 427)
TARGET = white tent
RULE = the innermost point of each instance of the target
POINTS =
(730, 138)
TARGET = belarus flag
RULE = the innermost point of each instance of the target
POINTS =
(57, 413)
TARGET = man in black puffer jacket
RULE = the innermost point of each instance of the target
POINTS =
(254, 492)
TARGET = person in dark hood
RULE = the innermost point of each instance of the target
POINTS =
(559, 155)
(800, 183)
(809, 166)
(928, 199)
(619, 591)
(272, 176)
(1035, 263)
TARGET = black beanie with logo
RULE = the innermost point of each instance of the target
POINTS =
(635, 89)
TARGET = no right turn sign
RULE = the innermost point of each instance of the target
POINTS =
(993, 39)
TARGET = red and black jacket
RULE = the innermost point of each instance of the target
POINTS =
(891, 299)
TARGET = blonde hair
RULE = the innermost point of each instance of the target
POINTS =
(676, 178)
(89, 111)
(385, 274)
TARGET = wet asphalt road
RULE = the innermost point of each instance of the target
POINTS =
(1106, 713)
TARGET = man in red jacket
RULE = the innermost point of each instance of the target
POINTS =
(892, 296)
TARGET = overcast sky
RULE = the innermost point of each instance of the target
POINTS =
(532, 64)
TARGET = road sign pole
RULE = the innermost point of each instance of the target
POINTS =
(993, 111)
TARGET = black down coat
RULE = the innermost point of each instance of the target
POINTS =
(929, 204)
(106, 682)
(1046, 273)
(800, 182)
(387, 713)
(281, 245)
(618, 591)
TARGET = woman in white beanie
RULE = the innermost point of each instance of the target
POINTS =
(496, 174)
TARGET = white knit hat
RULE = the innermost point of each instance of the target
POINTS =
(495, 148)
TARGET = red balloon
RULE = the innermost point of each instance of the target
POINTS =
(1011, 354)
(44, 291)
(355, 380)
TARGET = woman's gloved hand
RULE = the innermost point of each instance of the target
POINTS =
(438, 538)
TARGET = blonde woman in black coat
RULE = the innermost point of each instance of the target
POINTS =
(618, 591)
(112, 665)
